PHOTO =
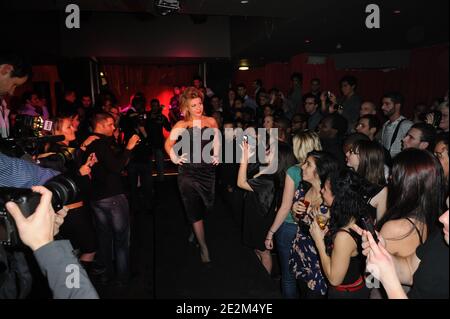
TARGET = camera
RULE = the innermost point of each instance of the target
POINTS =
(64, 191)
(437, 116)
(31, 126)
(18, 147)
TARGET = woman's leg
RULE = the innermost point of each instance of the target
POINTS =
(266, 259)
(199, 231)
(284, 238)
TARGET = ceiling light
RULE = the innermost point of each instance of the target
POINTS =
(397, 11)
(244, 1)
(244, 68)
(307, 41)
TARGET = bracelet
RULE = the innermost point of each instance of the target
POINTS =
(269, 238)
(270, 231)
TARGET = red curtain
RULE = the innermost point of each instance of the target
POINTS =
(153, 80)
(424, 79)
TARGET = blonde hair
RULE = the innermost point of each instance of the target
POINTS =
(58, 123)
(189, 94)
(305, 142)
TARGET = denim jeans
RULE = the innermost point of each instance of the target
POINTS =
(284, 238)
(144, 171)
(159, 159)
(113, 230)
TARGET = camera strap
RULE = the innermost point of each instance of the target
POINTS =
(394, 137)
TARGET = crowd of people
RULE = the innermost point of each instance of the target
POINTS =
(348, 194)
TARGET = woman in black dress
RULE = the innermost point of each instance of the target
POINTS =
(263, 196)
(78, 226)
(196, 170)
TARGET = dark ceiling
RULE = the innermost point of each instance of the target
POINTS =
(278, 29)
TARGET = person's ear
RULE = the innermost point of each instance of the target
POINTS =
(6, 69)
(424, 145)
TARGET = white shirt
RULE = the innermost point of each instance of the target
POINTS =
(388, 132)
(4, 119)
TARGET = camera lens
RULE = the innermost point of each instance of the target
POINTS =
(64, 191)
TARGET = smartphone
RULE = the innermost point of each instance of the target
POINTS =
(245, 138)
(368, 225)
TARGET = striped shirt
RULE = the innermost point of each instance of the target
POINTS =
(15, 172)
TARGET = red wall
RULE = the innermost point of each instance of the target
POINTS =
(426, 77)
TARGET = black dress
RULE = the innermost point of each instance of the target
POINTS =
(78, 225)
(353, 285)
(430, 281)
(196, 181)
(259, 211)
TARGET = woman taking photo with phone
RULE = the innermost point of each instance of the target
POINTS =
(262, 196)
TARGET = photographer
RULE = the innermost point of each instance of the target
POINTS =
(15, 172)
(108, 198)
(53, 257)
(154, 129)
(14, 71)
(140, 165)
(439, 118)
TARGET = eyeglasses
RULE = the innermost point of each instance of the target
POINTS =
(351, 151)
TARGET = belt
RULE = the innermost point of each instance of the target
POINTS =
(357, 285)
(74, 205)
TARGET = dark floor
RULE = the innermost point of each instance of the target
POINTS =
(165, 266)
(235, 271)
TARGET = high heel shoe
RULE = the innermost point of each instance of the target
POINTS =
(204, 257)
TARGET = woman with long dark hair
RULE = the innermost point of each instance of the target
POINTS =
(367, 159)
(196, 174)
(415, 201)
(263, 196)
(304, 259)
(339, 247)
(284, 227)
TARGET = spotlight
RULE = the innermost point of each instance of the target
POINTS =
(165, 7)
(168, 4)
(244, 65)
